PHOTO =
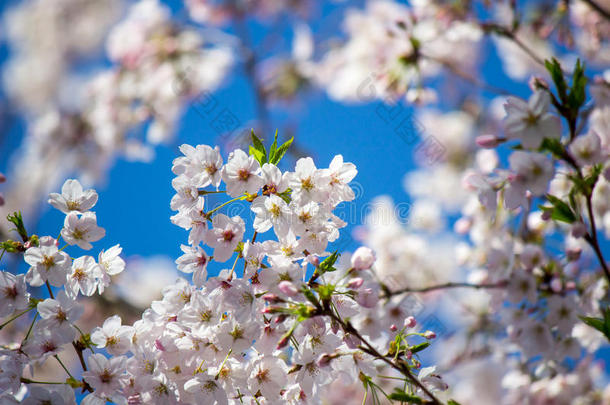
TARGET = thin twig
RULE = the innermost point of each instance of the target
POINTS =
(499, 284)
(605, 13)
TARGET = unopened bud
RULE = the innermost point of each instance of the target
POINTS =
(573, 253)
(546, 215)
(462, 225)
(410, 322)
(556, 284)
(579, 230)
(408, 354)
(393, 328)
(537, 83)
(429, 334)
(355, 283)
(272, 298)
(488, 141)
(352, 341)
(288, 288)
(324, 360)
(363, 258)
(283, 342)
(313, 260)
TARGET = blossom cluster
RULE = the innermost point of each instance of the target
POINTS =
(279, 332)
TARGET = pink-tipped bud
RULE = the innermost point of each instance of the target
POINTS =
(556, 285)
(579, 230)
(488, 141)
(545, 216)
(286, 287)
(27, 245)
(409, 355)
(272, 298)
(324, 360)
(462, 225)
(573, 253)
(313, 260)
(283, 342)
(571, 269)
(363, 258)
(334, 326)
(351, 341)
(393, 328)
(159, 345)
(410, 322)
(429, 334)
(536, 83)
(355, 283)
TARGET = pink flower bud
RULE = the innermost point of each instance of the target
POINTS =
(536, 83)
(579, 230)
(408, 354)
(462, 225)
(410, 322)
(429, 334)
(334, 326)
(363, 258)
(27, 245)
(546, 215)
(556, 284)
(570, 286)
(313, 260)
(272, 298)
(367, 297)
(283, 342)
(571, 269)
(393, 328)
(488, 141)
(159, 345)
(288, 288)
(324, 360)
(573, 253)
(351, 341)
(355, 283)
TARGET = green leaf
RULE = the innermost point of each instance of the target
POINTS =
(16, 219)
(601, 324)
(560, 211)
(273, 148)
(281, 151)
(286, 195)
(552, 145)
(453, 402)
(327, 264)
(554, 69)
(400, 395)
(579, 81)
(257, 149)
(418, 348)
